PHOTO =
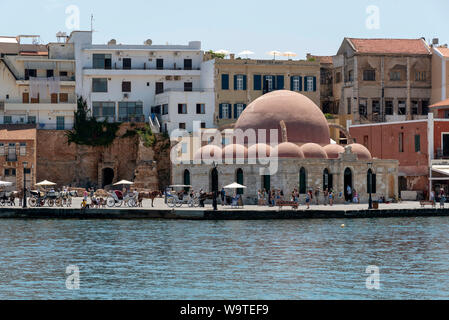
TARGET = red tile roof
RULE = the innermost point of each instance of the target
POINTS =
(444, 103)
(390, 46)
(444, 51)
(17, 132)
(323, 59)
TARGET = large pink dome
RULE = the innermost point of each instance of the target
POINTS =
(313, 151)
(303, 118)
(288, 150)
(260, 150)
(209, 152)
(333, 151)
(235, 151)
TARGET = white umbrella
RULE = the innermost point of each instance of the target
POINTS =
(235, 185)
(246, 53)
(45, 183)
(274, 53)
(124, 182)
(289, 54)
(5, 184)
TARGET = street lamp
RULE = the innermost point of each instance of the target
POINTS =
(370, 185)
(24, 204)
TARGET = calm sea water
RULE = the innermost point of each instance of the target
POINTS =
(305, 259)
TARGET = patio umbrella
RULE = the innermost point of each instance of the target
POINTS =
(5, 184)
(274, 53)
(45, 183)
(289, 54)
(235, 185)
(124, 182)
(246, 53)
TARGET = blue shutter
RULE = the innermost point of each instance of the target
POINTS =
(235, 111)
(300, 83)
(314, 83)
(257, 82)
(291, 83)
(279, 82)
(264, 84)
(235, 82)
(224, 82)
(220, 111)
(305, 83)
(229, 111)
(244, 107)
(244, 82)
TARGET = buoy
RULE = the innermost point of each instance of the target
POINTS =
(343, 226)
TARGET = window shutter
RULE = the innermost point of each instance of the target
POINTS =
(279, 82)
(244, 82)
(257, 82)
(291, 83)
(305, 83)
(235, 82)
(229, 111)
(235, 111)
(220, 111)
(225, 82)
(300, 83)
(314, 83)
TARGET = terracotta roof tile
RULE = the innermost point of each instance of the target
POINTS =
(444, 51)
(390, 46)
(17, 132)
(323, 59)
(444, 103)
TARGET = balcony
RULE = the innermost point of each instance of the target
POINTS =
(142, 71)
(185, 91)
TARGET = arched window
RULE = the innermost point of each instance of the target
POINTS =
(239, 179)
(266, 182)
(348, 183)
(371, 182)
(327, 180)
(186, 178)
(302, 181)
(214, 180)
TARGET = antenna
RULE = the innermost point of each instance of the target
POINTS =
(92, 23)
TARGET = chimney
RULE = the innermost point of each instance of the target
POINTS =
(232, 56)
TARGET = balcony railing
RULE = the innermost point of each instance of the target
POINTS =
(70, 100)
(183, 90)
(144, 67)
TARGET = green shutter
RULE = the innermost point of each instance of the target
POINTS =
(257, 82)
(225, 82)
(417, 143)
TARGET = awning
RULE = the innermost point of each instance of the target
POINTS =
(441, 169)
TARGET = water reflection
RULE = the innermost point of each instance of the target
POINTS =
(305, 259)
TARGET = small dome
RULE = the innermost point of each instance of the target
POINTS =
(236, 151)
(313, 151)
(333, 150)
(264, 149)
(361, 151)
(209, 152)
(288, 150)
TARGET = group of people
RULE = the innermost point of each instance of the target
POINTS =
(441, 197)
(351, 195)
(270, 197)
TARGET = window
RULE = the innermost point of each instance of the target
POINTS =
(200, 108)
(389, 107)
(50, 73)
(12, 156)
(302, 181)
(187, 64)
(350, 76)
(99, 85)
(363, 108)
(60, 123)
(310, 84)
(159, 87)
(30, 73)
(239, 82)
(203, 125)
(327, 180)
(64, 97)
(395, 75)
(348, 105)
(239, 109)
(225, 82)
(257, 82)
(126, 63)
(7, 119)
(102, 61)
(130, 111)
(417, 143)
(296, 83)
(182, 125)
(2, 149)
(425, 107)
(268, 83)
(225, 111)
(159, 64)
(182, 108)
(23, 149)
(338, 77)
(126, 86)
(103, 109)
(164, 109)
(10, 172)
(188, 86)
(401, 142)
(402, 107)
(415, 107)
(63, 73)
(239, 179)
(54, 98)
(369, 75)
(420, 76)
(25, 97)
(32, 119)
(376, 107)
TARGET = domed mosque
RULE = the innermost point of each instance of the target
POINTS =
(285, 146)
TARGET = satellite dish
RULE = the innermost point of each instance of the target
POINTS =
(148, 42)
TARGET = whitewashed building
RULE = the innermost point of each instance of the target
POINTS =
(169, 84)
(37, 83)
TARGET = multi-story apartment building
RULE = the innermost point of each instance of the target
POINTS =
(383, 79)
(238, 82)
(440, 74)
(130, 83)
(37, 83)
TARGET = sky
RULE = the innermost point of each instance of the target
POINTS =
(312, 26)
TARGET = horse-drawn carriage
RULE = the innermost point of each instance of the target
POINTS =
(51, 198)
(117, 199)
(7, 199)
(179, 198)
